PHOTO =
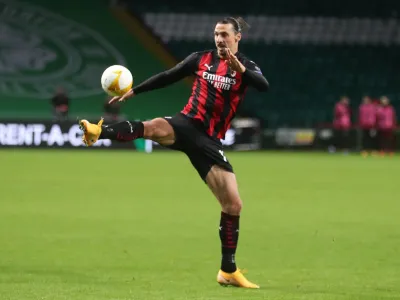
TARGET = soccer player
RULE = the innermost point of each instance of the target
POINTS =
(222, 77)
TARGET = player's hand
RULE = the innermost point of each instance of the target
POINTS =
(122, 98)
(233, 62)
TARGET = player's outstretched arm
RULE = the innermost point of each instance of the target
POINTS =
(163, 79)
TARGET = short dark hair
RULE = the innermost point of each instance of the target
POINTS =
(238, 23)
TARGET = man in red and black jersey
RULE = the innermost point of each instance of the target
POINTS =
(222, 77)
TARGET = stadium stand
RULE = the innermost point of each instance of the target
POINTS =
(311, 52)
(339, 8)
(310, 59)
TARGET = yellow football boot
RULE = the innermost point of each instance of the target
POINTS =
(236, 279)
(91, 132)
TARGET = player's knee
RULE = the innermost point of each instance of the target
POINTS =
(155, 128)
(237, 207)
(149, 128)
(233, 207)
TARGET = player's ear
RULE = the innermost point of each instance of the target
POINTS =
(238, 37)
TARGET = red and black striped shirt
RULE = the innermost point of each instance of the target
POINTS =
(217, 90)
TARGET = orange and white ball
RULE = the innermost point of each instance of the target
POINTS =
(116, 80)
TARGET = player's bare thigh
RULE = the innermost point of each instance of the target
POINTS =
(160, 131)
(224, 186)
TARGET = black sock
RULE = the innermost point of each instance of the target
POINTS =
(122, 131)
(229, 235)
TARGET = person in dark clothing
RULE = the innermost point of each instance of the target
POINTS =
(60, 104)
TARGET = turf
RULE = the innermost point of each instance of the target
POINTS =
(125, 225)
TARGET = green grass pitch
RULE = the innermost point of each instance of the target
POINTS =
(126, 225)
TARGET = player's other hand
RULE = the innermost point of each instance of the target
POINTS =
(233, 62)
(122, 98)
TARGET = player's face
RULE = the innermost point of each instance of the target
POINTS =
(367, 100)
(385, 101)
(225, 37)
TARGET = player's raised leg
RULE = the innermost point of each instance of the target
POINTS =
(158, 130)
(224, 186)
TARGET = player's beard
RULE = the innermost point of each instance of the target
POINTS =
(222, 52)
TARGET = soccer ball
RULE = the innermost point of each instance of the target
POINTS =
(116, 80)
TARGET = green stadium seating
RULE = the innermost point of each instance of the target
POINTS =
(306, 77)
(341, 8)
(312, 52)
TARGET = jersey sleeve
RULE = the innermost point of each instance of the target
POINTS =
(251, 65)
(168, 77)
(254, 77)
(189, 64)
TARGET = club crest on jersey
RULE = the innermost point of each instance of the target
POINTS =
(218, 81)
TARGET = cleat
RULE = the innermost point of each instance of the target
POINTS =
(235, 279)
(91, 132)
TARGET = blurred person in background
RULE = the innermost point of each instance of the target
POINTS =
(111, 110)
(342, 124)
(386, 124)
(60, 103)
(367, 122)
